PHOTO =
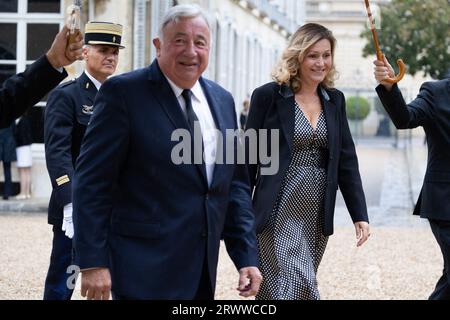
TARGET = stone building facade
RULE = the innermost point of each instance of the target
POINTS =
(249, 36)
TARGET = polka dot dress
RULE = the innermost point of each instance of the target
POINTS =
(292, 244)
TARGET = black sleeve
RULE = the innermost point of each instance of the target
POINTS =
(239, 234)
(418, 113)
(25, 89)
(259, 104)
(349, 178)
(103, 151)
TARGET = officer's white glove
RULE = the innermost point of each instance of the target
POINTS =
(67, 224)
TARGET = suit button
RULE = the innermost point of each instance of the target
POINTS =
(207, 196)
(204, 234)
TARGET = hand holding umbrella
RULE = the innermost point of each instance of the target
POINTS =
(400, 63)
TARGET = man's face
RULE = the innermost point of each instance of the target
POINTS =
(101, 60)
(183, 51)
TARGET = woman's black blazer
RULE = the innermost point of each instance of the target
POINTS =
(272, 107)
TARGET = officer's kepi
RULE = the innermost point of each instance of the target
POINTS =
(103, 33)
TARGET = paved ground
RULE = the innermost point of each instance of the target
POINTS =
(397, 263)
(401, 260)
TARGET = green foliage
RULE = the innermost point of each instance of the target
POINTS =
(358, 108)
(418, 31)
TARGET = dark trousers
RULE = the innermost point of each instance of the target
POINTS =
(7, 187)
(441, 231)
(61, 258)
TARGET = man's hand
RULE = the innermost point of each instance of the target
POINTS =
(249, 281)
(384, 70)
(61, 53)
(67, 224)
(362, 230)
(96, 284)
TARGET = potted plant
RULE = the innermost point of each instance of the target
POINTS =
(358, 108)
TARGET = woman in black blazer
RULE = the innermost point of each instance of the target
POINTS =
(294, 208)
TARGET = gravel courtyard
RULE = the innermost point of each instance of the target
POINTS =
(396, 263)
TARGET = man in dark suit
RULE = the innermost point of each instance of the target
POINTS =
(67, 115)
(25, 89)
(431, 110)
(151, 227)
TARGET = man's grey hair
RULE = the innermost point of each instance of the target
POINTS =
(182, 11)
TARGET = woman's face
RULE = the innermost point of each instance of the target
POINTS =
(317, 63)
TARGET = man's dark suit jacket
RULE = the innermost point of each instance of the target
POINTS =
(272, 107)
(153, 223)
(25, 89)
(431, 110)
(67, 114)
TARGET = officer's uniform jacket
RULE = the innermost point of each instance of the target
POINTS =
(67, 115)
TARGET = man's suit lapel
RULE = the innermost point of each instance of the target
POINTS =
(214, 105)
(166, 98)
(169, 103)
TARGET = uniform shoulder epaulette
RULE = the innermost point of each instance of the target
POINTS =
(68, 83)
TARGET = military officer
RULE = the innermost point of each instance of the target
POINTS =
(67, 115)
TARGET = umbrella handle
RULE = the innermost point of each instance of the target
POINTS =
(400, 63)
(401, 73)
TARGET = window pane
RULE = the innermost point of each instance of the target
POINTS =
(39, 39)
(8, 41)
(52, 6)
(8, 5)
(6, 71)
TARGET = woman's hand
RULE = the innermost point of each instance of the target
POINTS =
(362, 232)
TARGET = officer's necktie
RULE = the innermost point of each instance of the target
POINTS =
(190, 114)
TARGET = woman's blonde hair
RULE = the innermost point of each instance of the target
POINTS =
(287, 70)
